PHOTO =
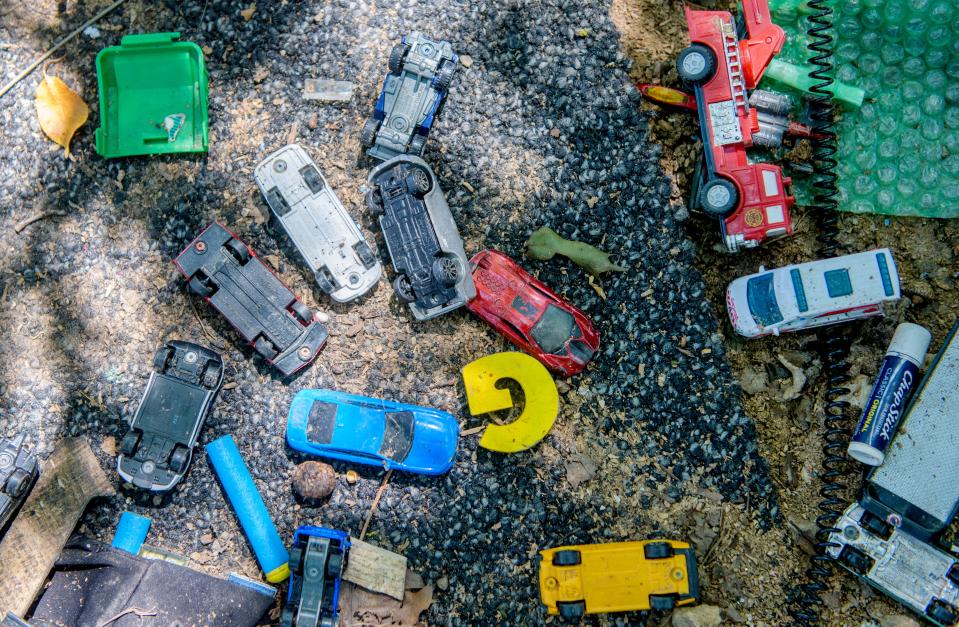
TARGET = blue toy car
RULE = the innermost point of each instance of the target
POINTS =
(421, 71)
(317, 558)
(372, 431)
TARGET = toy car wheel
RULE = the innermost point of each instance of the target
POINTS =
(374, 202)
(403, 289)
(566, 558)
(718, 197)
(418, 182)
(211, 376)
(942, 612)
(326, 286)
(239, 251)
(397, 56)
(179, 459)
(334, 565)
(265, 347)
(662, 602)
(696, 64)
(368, 134)
(303, 313)
(658, 550)
(417, 145)
(161, 357)
(953, 574)
(444, 76)
(286, 618)
(571, 609)
(296, 559)
(17, 483)
(200, 286)
(856, 560)
(128, 445)
(447, 271)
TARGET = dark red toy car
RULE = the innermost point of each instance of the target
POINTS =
(530, 315)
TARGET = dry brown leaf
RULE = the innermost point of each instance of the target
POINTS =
(362, 608)
(60, 111)
(248, 12)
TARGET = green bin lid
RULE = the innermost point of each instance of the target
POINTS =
(153, 97)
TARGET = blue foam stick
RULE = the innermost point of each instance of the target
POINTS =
(131, 532)
(250, 509)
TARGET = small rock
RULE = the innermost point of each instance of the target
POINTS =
(733, 615)
(698, 616)
(109, 446)
(554, 132)
(753, 381)
(206, 538)
(314, 480)
(466, 60)
(582, 32)
(248, 12)
(311, 122)
(443, 583)
(579, 469)
(352, 477)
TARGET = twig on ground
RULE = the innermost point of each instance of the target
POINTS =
(140, 612)
(291, 136)
(46, 55)
(36, 218)
(376, 501)
(472, 431)
(719, 536)
(203, 328)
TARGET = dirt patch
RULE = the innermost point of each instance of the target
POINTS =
(758, 571)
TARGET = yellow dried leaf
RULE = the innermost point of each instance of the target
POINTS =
(60, 111)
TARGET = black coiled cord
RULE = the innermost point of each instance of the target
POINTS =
(833, 342)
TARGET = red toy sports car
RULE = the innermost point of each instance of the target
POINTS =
(530, 315)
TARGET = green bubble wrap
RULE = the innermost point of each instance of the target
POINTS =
(899, 152)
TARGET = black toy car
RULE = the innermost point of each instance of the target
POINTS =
(18, 472)
(224, 271)
(425, 246)
(156, 451)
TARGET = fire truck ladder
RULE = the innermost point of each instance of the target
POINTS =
(736, 83)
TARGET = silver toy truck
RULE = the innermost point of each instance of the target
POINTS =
(919, 575)
(421, 71)
(314, 219)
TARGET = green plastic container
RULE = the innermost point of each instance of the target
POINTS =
(153, 97)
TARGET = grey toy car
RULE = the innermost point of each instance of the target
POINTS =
(424, 244)
(314, 219)
(421, 71)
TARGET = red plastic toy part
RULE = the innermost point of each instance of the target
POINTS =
(752, 200)
(530, 315)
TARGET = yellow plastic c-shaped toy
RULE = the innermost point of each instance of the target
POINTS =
(542, 399)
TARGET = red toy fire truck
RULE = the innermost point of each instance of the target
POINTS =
(750, 199)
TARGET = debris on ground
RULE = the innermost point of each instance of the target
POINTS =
(314, 481)
(60, 111)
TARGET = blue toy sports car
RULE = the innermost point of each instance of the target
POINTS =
(372, 431)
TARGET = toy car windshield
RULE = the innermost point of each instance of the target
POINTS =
(157, 450)
(224, 271)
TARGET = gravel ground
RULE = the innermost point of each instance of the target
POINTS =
(543, 128)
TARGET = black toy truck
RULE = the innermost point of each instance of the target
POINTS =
(424, 244)
(156, 451)
(223, 270)
(19, 470)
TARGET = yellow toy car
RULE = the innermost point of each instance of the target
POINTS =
(618, 577)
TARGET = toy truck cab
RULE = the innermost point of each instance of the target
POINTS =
(813, 294)
(751, 200)
(618, 577)
(317, 559)
(421, 71)
(19, 470)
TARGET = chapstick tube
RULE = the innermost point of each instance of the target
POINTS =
(246, 500)
(895, 383)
